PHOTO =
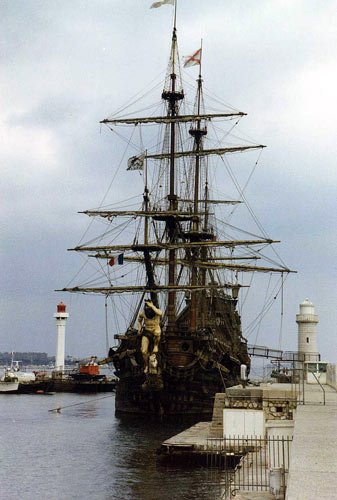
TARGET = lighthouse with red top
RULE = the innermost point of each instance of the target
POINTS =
(61, 317)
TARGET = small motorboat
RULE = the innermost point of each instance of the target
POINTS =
(8, 384)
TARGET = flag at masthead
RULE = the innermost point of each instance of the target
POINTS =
(155, 5)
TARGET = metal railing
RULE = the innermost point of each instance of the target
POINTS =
(277, 354)
(251, 463)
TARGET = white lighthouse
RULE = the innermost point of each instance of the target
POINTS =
(61, 317)
(307, 335)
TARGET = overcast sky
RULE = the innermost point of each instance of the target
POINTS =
(67, 65)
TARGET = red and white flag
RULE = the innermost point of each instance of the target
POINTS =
(155, 5)
(192, 60)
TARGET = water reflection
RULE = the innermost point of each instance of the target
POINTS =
(142, 475)
(87, 411)
(84, 451)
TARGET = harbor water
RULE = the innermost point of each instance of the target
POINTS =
(84, 451)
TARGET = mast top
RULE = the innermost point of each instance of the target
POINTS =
(175, 16)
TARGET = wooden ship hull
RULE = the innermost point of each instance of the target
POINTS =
(193, 368)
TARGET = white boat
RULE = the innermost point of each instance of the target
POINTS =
(9, 382)
(13, 376)
(14, 371)
(9, 386)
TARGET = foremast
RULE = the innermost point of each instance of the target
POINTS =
(147, 255)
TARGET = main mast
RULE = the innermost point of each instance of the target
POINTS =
(173, 95)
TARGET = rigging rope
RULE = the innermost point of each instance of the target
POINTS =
(265, 300)
(135, 98)
(107, 191)
(281, 322)
(106, 325)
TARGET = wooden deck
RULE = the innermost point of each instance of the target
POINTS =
(194, 438)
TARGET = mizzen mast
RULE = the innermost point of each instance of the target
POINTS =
(197, 132)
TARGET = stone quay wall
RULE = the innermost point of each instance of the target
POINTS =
(276, 404)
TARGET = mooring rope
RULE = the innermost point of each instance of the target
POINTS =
(58, 410)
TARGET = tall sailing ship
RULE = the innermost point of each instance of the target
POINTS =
(180, 257)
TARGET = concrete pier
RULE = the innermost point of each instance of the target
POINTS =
(313, 453)
(313, 461)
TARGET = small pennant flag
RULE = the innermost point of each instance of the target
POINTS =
(120, 258)
(136, 162)
(155, 5)
(192, 60)
(112, 261)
